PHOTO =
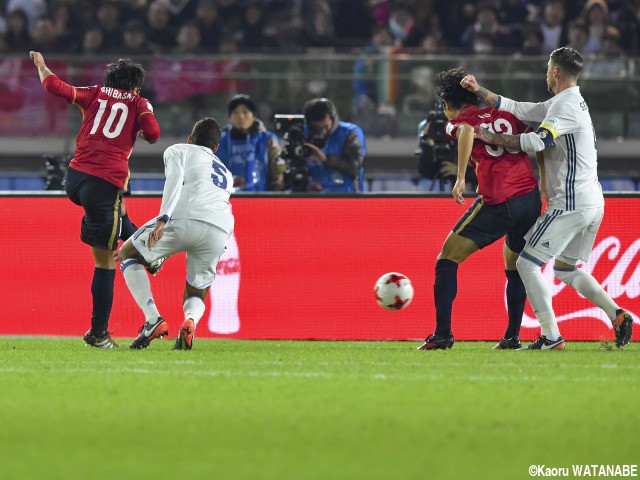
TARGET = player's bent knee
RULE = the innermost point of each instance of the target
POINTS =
(526, 265)
(566, 275)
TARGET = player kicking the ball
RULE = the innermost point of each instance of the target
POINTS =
(508, 206)
(195, 217)
(113, 116)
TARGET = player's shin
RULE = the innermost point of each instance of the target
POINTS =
(102, 292)
(539, 295)
(137, 280)
(516, 298)
(445, 289)
(193, 309)
(589, 288)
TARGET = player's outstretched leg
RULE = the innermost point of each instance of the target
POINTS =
(150, 331)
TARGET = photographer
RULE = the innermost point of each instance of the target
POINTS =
(249, 151)
(336, 149)
(436, 155)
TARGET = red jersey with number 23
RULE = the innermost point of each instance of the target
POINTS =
(501, 173)
(112, 119)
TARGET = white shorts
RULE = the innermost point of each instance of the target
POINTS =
(566, 235)
(203, 243)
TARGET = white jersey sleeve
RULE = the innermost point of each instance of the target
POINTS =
(174, 162)
(525, 111)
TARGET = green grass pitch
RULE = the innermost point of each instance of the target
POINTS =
(312, 410)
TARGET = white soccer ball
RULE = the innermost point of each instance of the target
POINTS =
(393, 291)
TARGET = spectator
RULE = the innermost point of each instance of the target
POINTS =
(108, 18)
(625, 16)
(181, 11)
(336, 163)
(578, 35)
(486, 34)
(43, 36)
(254, 35)
(612, 63)
(532, 40)
(159, 31)
(17, 37)
(402, 25)
(288, 24)
(93, 41)
(188, 39)
(349, 33)
(135, 39)
(513, 16)
(249, 151)
(318, 27)
(65, 26)
(210, 25)
(133, 9)
(33, 9)
(596, 14)
(366, 74)
(552, 25)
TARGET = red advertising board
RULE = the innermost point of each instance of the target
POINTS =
(302, 268)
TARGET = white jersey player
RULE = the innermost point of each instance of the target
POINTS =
(195, 217)
(569, 183)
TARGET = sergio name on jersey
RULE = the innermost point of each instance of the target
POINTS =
(198, 186)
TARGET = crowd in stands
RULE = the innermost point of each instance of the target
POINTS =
(191, 27)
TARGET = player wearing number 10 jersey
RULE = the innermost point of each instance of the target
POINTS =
(508, 204)
(195, 217)
(114, 114)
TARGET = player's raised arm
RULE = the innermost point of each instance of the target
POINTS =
(489, 98)
(38, 61)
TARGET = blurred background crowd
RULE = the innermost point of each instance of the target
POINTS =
(226, 26)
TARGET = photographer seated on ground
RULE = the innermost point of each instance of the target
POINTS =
(337, 149)
(249, 151)
(437, 157)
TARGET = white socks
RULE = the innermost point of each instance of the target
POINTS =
(138, 282)
(539, 295)
(589, 288)
(193, 309)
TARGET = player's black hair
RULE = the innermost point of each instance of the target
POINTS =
(448, 88)
(317, 109)
(124, 74)
(568, 60)
(206, 133)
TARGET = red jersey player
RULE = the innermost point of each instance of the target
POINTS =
(508, 205)
(114, 114)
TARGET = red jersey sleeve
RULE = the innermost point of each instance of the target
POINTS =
(450, 130)
(54, 85)
(147, 120)
(82, 96)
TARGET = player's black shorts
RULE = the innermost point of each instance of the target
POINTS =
(484, 224)
(101, 201)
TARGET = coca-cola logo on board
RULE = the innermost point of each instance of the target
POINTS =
(621, 280)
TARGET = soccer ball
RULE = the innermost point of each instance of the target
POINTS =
(393, 291)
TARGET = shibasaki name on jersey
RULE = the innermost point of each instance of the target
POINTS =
(117, 94)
